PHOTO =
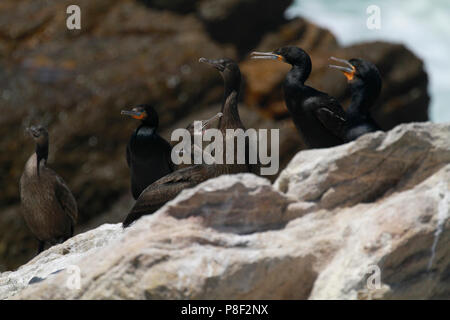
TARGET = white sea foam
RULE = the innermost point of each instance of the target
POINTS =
(423, 26)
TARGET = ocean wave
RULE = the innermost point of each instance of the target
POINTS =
(423, 26)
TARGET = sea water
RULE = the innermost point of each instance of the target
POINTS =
(422, 26)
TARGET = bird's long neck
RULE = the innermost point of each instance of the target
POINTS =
(361, 102)
(230, 104)
(230, 111)
(141, 135)
(41, 154)
(151, 122)
(145, 129)
(297, 76)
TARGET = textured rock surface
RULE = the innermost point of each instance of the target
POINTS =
(312, 235)
(57, 259)
(127, 53)
(228, 20)
(242, 22)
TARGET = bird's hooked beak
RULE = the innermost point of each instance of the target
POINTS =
(349, 70)
(33, 131)
(267, 56)
(213, 63)
(206, 122)
(139, 115)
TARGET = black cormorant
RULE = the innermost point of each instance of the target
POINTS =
(365, 86)
(148, 154)
(318, 117)
(168, 187)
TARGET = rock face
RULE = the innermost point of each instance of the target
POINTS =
(365, 220)
(228, 20)
(130, 52)
(77, 83)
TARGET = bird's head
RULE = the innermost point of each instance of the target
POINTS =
(39, 134)
(359, 73)
(144, 112)
(228, 69)
(292, 55)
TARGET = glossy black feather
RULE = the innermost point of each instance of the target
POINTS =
(149, 158)
(318, 117)
(365, 88)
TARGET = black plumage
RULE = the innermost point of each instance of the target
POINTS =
(318, 117)
(168, 187)
(365, 86)
(148, 154)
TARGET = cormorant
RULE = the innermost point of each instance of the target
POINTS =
(48, 207)
(168, 187)
(318, 117)
(148, 154)
(365, 86)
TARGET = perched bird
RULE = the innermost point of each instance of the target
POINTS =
(318, 117)
(48, 207)
(168, 187)
(365, 86)
(148, 154)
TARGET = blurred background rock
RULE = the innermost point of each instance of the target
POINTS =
(130, 52)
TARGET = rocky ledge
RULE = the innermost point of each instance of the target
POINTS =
(137, 51)
(334, 223)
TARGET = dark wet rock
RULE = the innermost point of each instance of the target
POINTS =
(182, 6)
(78, 83)
(238, 22)
(242, 23)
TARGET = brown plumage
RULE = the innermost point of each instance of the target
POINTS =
(168, 187)
(48, 207)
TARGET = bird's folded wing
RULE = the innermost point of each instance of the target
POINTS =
(333, 118)
(167, 188)
(66, 199)
(153, 198)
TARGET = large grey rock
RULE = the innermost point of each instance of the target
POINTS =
(57, 259)
(334, 221)
(372, 168)
(369, 219)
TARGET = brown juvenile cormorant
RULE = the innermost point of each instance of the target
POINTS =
(318, 117)
(148, 154)
(365, 86)
(48, 207)
(168, 187)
